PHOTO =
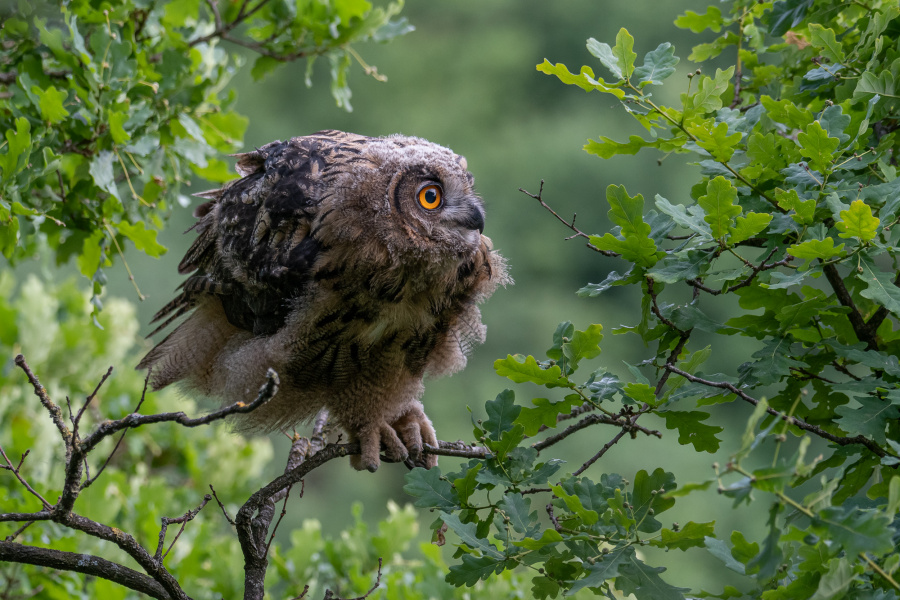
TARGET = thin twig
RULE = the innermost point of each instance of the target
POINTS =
(756, 270)
(578, 232)
(606, 447)
(88, 479)
(183, 520)
(104, 430)
(797, 422)
(287, 493)
(593, 419)
(222, 506)
(41, 393)
(11, 537)
(25, 484)
(90, 398)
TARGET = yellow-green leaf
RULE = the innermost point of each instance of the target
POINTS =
(51, 103)
(858, 221)
(817, 146)
(811, 249)
(719, 206)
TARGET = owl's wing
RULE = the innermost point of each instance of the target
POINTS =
(255, 245)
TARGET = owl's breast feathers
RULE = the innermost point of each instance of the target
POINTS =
(283, 262)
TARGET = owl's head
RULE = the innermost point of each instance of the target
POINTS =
(422, 196)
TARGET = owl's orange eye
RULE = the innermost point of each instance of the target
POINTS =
(430, 196)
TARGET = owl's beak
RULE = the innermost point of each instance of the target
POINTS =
(474, 220)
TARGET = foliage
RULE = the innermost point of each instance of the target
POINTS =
(109, 110)
(787, 239)
(163, 470)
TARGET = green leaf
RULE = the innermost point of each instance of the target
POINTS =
(624, 52)
(817, 146)
(517, 509)
(720, 550)
(549, 536)
(51, 103)
(857, 530)
(812, 249)
(607, 148)
(606, 567)
(719, 205)
(679, 267)
(475, 568)
(465, 485)
(689, 218)
(573, 503)
(612, 279)
(102, 172)
(430, 489)
(691, 535)
(640, 251)
(870, 418)
(749, 226)
(262, 66)
(880, 83)
(585, 79)
(502, 413)
(18, 148)
(786, 14)
(649, 494)
(805, 210)
(545, 413)
(658, 65)
(607, 57)
(91, 253)
(583, 345)
(858, 222)
(467, 533)
(528, 369)
(116, 129)
(716, 141)
(825, 41)
(641, 393)
(711, 19)
(692, 431)
(144, 239)
(708, 97)
(626, 211)
(642, 580)
(881, 287)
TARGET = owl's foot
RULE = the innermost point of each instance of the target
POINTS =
(401, 440)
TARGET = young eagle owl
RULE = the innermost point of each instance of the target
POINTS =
(350, 265)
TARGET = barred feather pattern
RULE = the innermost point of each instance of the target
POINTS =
(322, 263)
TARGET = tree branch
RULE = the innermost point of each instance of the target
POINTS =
(83, 563)
(578, 232)
(856, 320)
(797, 422)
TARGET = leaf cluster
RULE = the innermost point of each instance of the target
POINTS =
(107, 111)
(786, 241)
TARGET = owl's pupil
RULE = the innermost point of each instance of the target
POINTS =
(430, 196)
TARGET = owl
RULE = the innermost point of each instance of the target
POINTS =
(353, 267)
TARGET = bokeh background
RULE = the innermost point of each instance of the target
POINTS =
(466, 78)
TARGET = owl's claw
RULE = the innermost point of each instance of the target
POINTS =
(402, 441)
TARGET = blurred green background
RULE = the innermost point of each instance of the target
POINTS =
(466, 79)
